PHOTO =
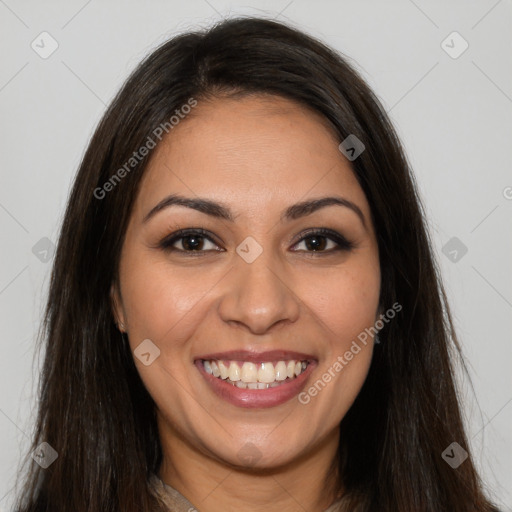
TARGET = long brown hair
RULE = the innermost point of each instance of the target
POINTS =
(94, 409)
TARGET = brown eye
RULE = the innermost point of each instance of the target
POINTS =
(325, 240)
(192, 242)
(189, 240)
(316, 243)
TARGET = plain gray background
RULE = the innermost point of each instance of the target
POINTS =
(452, 109)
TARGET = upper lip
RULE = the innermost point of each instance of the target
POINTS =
(257, 357)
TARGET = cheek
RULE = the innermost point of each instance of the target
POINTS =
(347, 311)
(159, 299)
(162, 305)
(346, 300)
(346, 305)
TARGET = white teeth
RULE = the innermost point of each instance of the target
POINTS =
(224, 371)
(266, 373)
(254, 385)
(234, 372)
(290, 369)
(255, 376)
(249, 372)
(215, 369)
(280, 370)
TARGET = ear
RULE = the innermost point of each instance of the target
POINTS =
(117, 309)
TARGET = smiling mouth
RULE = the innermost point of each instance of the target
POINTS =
(249, 375)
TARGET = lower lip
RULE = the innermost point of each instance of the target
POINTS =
(256, 398)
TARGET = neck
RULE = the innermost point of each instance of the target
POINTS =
(306, 483)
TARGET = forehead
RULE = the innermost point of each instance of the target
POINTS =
(250, 151)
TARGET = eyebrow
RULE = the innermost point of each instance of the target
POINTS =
(221, 211)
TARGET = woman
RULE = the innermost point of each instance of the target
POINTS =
(245, 312)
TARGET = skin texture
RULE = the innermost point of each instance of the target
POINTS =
(256, 155)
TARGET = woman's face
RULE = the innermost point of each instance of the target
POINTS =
(257, 286)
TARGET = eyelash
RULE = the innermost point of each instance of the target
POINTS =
(342, 243)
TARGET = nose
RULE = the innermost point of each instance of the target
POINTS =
(258, 296)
